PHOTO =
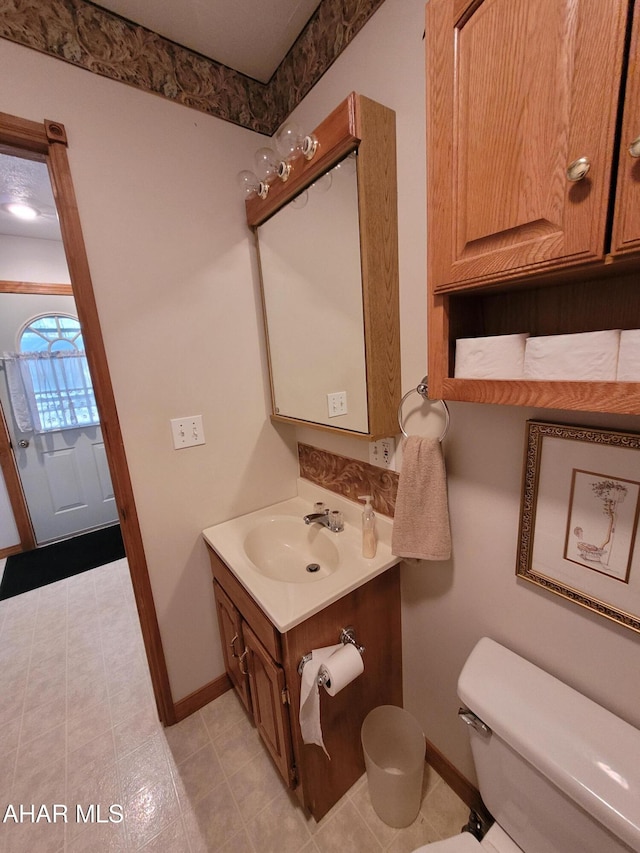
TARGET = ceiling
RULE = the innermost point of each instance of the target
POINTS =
(25, 180)
(250, 37)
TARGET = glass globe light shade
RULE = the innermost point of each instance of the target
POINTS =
(248, 183)
(323, 183)
(300, 200)
(266, 161)
(289, 140)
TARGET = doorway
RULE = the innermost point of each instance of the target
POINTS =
(46, 390)
(47, 143)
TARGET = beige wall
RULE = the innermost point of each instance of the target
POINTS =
(177, 295)
(25, 259)
(170, 256)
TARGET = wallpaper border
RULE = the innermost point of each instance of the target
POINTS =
(349, 477)
(90, 37)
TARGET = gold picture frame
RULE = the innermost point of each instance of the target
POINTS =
(579, 517)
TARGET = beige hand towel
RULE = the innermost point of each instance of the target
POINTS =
(421, 522)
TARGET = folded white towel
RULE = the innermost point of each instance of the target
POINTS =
(421, 521)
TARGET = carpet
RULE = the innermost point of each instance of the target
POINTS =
(33, 569)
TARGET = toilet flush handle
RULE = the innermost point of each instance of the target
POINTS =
(475, 722)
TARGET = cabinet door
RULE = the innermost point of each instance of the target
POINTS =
(230, 623)
(270, 704)
(516, 91)
(626, 223)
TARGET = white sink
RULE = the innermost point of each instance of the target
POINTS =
(269, 550)
(284, 548)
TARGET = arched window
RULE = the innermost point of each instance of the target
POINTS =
(52, 333)
(55, 374)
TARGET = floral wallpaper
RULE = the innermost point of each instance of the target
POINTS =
(93, 38)
(349, 477)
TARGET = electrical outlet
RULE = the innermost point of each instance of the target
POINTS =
(382, 453)
(187, 432)
(337, 403)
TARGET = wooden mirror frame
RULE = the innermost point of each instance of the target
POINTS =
(48, 142)
(362, 125)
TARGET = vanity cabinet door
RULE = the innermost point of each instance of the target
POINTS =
(231, 635)
(270, 700)
(517, 92)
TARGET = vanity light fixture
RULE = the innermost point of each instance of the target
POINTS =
(290, 142)
(251, 185)
(267, 164)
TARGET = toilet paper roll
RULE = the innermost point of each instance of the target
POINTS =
(310, 727)
(342, 667)
(629, 356)
(582, 356)
(492, 357)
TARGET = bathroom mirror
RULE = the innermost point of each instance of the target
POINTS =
(327, 244)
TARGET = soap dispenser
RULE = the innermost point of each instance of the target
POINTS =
(369, 535)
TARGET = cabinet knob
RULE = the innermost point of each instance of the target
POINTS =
(634, 147)
(577, 170)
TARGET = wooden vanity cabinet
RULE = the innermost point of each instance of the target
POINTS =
(270, 690)
(232, 636)
(270, 701)
(254, 669)
(518, 92)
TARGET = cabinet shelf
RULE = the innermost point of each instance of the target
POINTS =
(620, 397)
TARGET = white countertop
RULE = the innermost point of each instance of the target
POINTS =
(289, 604)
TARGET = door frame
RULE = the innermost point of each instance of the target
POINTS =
(17, 500)
(47, 141)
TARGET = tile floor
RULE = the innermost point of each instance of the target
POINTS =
(78, 726)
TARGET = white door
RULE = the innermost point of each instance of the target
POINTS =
(66, 482)
(55, 431)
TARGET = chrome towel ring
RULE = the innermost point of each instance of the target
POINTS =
(423, 391)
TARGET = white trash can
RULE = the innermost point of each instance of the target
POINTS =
(394, 753)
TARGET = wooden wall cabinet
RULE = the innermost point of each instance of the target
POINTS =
(262, 664)
(519, 93)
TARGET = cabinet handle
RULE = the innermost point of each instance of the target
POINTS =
(232, 646)
(240, 659)
(577, 170)
(634, 147)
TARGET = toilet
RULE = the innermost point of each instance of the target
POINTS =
(559, 773)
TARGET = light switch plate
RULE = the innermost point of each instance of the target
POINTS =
(187, 432)
(337, 403)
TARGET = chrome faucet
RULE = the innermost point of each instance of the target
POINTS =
(331, 519)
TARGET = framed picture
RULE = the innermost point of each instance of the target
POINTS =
(579, 517)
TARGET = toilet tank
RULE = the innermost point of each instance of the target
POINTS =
(558, 772)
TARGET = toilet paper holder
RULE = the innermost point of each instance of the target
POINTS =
(347, 636)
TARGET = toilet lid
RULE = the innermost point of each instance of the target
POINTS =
(463, 843)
